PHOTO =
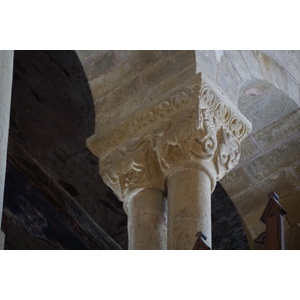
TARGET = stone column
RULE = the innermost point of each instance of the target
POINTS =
(6, 69)
(189, 207)
(135, 177)
(147, 221)
(180, 145)
(200, 147)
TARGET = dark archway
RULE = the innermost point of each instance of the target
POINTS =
(52, 114)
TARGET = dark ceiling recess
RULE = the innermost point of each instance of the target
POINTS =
(54, 196)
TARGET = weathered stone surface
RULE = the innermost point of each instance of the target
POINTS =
(255, 93)
(193, 131)
(206, 63)
(236, 181)
(124, 55)
(228, 79)
(2, 238)
(170, 67)
(289, 59)
(264, 115)
(101, 65)
(6, 68)
(278, 132)
(189, 208)
(252, 63)
(86, 56)
(238, 63)
(232, 71)
(123, 73)
(144, 88)
(284, 155)
(147, 220)
(249, 150)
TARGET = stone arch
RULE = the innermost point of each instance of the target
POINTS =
(269, 159)
(230, 70)
(263, 103)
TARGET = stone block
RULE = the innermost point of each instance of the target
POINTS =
(168, 68)
(279, 131)
(99, 66)
(132, 99)
(87, 55)
(272, 71)
(289, 59)
(249, 150)
(277, 69)
(236, 181)
(2, 240)
(124, 55)
(6, 71)
(124, 72)
(252, 63)
(228, 80)
(271, 109)
(281, 157)
(166, 53)
(141, 61)
(118, 96)
(293, 90)
(206, 63)
(238, 62)
(168, 85)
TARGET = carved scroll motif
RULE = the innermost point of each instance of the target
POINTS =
(192, 126)
(213, 134)
(129, 171)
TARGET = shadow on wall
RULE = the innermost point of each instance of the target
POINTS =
(52, 114)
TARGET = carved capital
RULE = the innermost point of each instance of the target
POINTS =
(205, 135)
(131, 170)
(192, 127)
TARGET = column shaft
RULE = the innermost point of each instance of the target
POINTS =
(189, 208)
(147, 221)
(6, 67)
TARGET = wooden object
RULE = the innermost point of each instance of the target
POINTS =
(200, 242)
(273, 218)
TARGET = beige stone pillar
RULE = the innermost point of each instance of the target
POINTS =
(6, 69)
(189, 207)
(200, 147)
(180, 145)
(135, 177)
(147, 221)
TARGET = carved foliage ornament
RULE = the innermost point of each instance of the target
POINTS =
(132, 170)
(101, 146)
(213, 134)
(192, 125)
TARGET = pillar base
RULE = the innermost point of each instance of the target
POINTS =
(2, 239)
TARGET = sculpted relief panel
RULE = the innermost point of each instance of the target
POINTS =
(192, 128)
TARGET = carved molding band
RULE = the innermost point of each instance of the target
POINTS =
(211, 133)
(193, 127)
(146, 121)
